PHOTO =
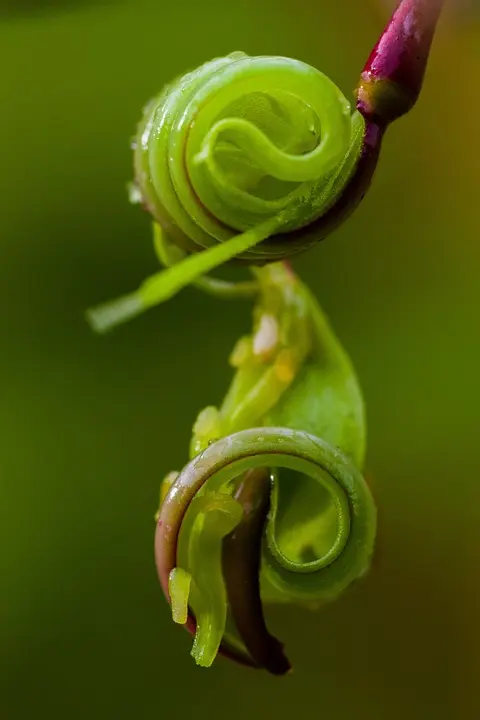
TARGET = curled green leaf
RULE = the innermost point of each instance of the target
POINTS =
(230, 159)
(294, 411)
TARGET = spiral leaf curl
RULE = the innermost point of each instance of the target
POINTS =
(231, 160)
(294, 417)
(265, 147)
(236, 142)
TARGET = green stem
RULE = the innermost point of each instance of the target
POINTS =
(164, 285)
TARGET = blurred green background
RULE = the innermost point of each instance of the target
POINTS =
(89, 425)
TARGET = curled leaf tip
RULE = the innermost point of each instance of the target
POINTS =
(243, 529)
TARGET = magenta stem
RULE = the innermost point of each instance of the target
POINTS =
(393, 76)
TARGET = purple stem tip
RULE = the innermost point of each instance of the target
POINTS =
(392, 78)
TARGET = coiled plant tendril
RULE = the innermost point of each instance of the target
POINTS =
(254, 160)
(294, 404)
(231, 159)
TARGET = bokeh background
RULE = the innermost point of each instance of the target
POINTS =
(89, 425)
